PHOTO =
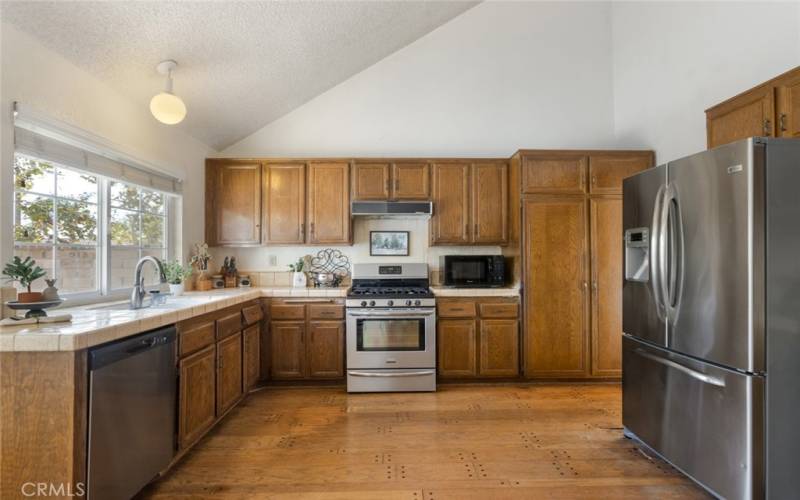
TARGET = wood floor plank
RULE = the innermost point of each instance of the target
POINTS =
(559, 441)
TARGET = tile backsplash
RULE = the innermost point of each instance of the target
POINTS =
(256, 261)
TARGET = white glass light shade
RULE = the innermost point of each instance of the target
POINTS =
(168, 108)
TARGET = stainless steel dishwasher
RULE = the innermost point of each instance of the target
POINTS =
(132, 400)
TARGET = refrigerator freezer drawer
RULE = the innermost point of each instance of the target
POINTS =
(705, 420)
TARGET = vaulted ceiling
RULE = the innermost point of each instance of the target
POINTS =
(241, 64)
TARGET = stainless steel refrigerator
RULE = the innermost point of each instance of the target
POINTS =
(711, 316)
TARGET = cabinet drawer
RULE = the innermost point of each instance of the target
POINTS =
(287, 311)
(252, 314)
(457, 309)
(499, 310)
(325, 312)
(195, 338)
(229, 324)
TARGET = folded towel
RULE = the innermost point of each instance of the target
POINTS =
(58, 318)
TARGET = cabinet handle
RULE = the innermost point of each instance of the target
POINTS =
(312, 229)
(466, 229)
(594, 180)
(302, 229)
(767, 124)
(783, 122)
(594, 286)
(387, 185)
(397, 184)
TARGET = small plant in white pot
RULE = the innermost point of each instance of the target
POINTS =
(298, 276)
(177, 274)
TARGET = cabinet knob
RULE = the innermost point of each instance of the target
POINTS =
(767, 127)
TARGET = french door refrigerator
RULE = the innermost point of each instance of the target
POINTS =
(711, 316)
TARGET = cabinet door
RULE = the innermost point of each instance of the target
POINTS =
(328, 203)
(233, 204)
(450, 221)
(606, 263)
(554, 173)
(456, 350)
(196, 411)
(288, 349)
(251, 357)
(789, 106)
(325, 349)
(750, 114)
(411, 181)
(556, 286)
(490, 203)
(499, 348)
(229, 372)
(371, 181)
(285, 195)
(606, 172)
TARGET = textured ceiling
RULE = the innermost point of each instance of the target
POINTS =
(241, 64)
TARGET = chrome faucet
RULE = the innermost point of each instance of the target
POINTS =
(138, 293)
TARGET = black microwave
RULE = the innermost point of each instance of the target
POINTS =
(474, 271)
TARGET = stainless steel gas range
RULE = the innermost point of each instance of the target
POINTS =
(391, 329)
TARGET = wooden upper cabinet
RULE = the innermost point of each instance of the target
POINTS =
(411, 181)
(750, 114)
(789, 105)
(325, 353)
(554, 173)
(450, 194)
(456, 351)
(371, 181)
(229, 372)
(606, 272)
(556, 286)
(233, 203)
(328, 203)
(606, 172)
(284, 203)
(490, 203)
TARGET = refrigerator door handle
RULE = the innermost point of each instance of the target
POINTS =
(655, 255)
(672, 259)
(708, 379)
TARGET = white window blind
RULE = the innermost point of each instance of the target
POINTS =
(48, 139)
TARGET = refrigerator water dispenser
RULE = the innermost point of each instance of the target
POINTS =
(637, 254)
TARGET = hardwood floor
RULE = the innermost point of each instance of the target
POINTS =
(552, 441)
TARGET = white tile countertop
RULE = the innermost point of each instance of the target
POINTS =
(440, 291)
(99, 323)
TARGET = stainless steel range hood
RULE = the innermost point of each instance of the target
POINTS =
(392, 208)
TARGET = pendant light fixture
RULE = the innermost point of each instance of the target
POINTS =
(166, 106)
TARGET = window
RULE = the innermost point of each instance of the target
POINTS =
(86, 230)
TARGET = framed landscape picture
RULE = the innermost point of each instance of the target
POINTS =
(388, 243)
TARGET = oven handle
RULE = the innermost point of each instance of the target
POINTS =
(399, 374)
(393, 314)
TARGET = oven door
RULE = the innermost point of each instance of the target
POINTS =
(391, 338)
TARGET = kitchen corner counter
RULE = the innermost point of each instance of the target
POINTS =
(100, 323)
(439, 291)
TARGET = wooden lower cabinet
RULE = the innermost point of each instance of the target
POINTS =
(499, 347)
(288, 349)
(325, 349)
(478, 338)
(229, 372)
(457, 340)
(197, 403)
(251, 356)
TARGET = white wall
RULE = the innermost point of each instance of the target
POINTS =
(45, 81)
(499, 77)
(673, 60)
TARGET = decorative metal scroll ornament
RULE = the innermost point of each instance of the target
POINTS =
(329, 267)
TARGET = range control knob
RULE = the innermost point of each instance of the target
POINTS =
(371, 302)
(363, 303)
(417, 302)
(408, 302)
(390, 303)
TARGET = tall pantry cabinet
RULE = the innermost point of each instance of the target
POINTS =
(571, 259)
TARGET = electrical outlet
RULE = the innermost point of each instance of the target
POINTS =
(273, 260)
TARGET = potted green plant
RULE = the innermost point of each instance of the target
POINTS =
(176, 274)
(24, 272)
(298, 276)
